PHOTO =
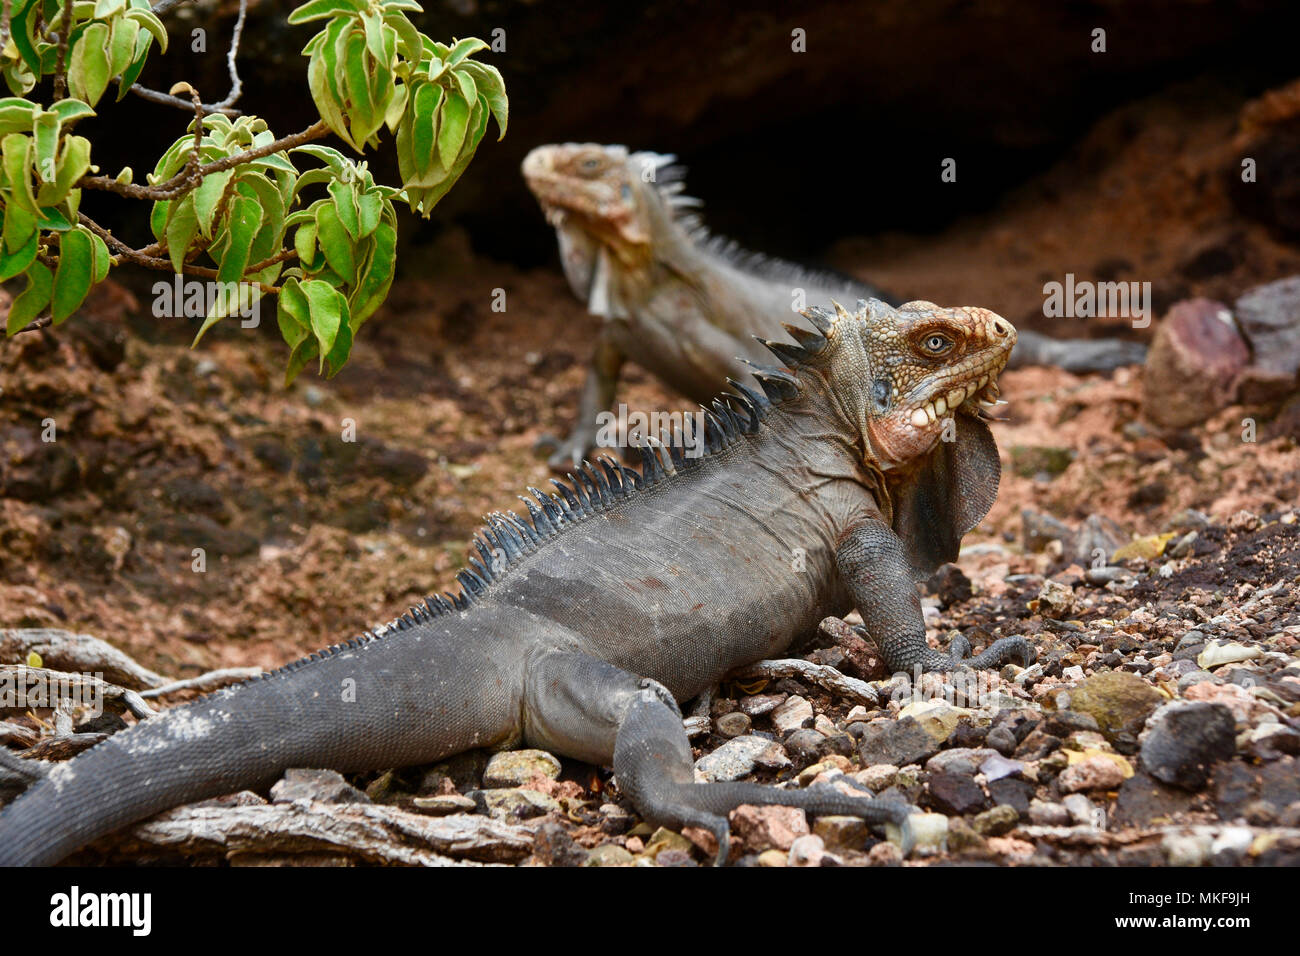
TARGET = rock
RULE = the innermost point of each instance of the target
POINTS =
(664, 839)
(1193, 364)
(1183, 741)
(1269, 318)
(996, 766)
(1083, 812)
(736, 758)
(1145, 801)
(511, 768)
(938, 718)
(792, 714)
(1001, 740)
(1192, 849)
(1183, 547)
(1271, 741)
(1062, 723)
(1231, 845)
(929, 831)
(959, 760)
(1039, 530)
(1236, 785)
(773, 858)
(1096, 540)
(516, 803)
(885, 854)
(1120, 702)
(759, 704)
(1013, 793)
(996, 822)
(841, 833)
(1055, 600)
(1192, 678)
(1146, 548)
(1029, 461)
(804, 746)
(325, 786)
(1045, 814)
(734, 724)
(897, 742)
(1216, 654)
(675, 858)
(553, 846)
(950, 584)
(441, 805)
(962, 839)
(1095, 772)
(878, 776)
(807, 851)
(1100, 577)
(772, 827)
(609, 854)
(955, 793)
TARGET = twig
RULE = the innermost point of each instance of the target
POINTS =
(184, 181)
(828, 678)
(4, 23)
(205, 682)
(60, 64)
(226, 106)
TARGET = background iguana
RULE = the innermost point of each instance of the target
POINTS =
(684, 304)
(622, 593)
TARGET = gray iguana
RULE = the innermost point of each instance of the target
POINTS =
(579, 627)
(680, 302)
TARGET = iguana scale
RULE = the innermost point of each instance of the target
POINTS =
(579, 627)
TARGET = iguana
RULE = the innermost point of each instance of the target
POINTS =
(680, 302)
(579, 627)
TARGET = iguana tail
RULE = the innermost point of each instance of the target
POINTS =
(411, 696)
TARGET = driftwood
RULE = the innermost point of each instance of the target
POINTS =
(52, 683)
(824, 676)
(249, 828)
(212, 680)
(66, 651)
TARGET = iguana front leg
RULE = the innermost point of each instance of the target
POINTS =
(589, 709)
(874, 565)
(597, 396)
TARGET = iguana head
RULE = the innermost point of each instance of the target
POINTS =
(908, 384)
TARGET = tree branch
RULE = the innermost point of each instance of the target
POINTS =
(60, 64)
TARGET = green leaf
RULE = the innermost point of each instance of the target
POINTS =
(493, 89)
(207, 196)
(182, 226)
(451, 134)
(424, 125)
(103, 261)
(69, 111)
(73, 279)
(373, 288)
(13, 263)
(88, 68)
(304, 243)
(121, 45)
(468, 88)
(74, 162)
(369, 208)
(137, 65)
(16, 115)
(463, 48)
(303, 352)
(330, 323)
(15, 153)
(361, 96)
(345, 206)
(408, 37)
(45, 132)
(106, 8)
(28, 305)
(19, 228)
(20, 34)
(151, 23)
(320, 9)
(336, 245)
(292, 313)
(242, 228)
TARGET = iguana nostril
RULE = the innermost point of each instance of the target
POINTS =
(1002, 328)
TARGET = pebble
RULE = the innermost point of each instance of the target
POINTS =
(1082, 811)
(441, 805)
(1192, 678)
(792, 714)
(1100, 577)
(609, 854)
(929, 830)
(1216, 654)
(1120, 702)
(996, 766)
(738, 757)
(1186, 849)
(1097, 772)
(996, 822)
(807, 851)
(1002, 740)
(885, 854)
(841, 832)
(877, 777)
(734, 724)
(517, 803)
(771, 827)
(324, 786)
(664, 839)
(804, 746)
(760, 704)
(896, 742)
(1185, 739)
(955, 793)
(1231, 845)
(938, 718)
(773, 858)
(1046, 814)
(959, 760)
(511, 768)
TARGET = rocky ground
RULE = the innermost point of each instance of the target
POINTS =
(198, 516)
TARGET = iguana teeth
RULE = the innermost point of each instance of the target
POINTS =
(919, 418)
(930, 416)
(956, 397)
(940, 406)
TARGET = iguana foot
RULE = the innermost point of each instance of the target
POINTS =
(1007, 650)
(565, 454)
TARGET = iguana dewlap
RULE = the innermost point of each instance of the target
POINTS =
(580, 626)
(681, 303)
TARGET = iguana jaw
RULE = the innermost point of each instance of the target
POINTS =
(589, 186)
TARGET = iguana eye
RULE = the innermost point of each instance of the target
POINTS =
(937, 344)
(591, 165)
